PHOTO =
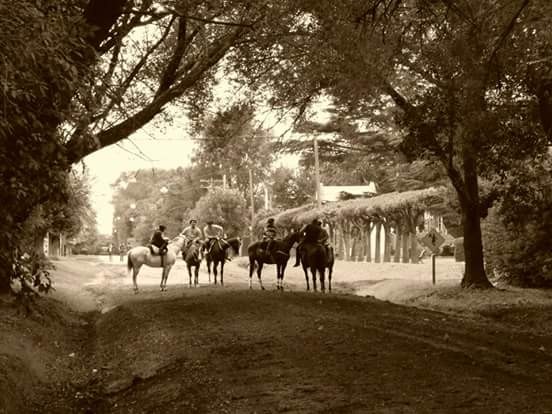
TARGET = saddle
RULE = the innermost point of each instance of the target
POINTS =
(156, 251)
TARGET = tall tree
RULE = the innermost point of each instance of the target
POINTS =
(455, 74)
(224, 207)
(291, 188)
(232, 145)
(82, 75)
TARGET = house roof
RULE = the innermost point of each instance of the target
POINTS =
(332, 192)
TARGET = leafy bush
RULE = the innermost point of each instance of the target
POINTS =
(224, 207)
(516, 234)
(31, 277)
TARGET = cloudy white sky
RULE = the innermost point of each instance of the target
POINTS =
(152, 147)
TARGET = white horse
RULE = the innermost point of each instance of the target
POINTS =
(140, 255)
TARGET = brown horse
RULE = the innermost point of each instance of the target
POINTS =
(192, 255)
(317, 258)
(141, 255)
(280, 256)
(217, 254)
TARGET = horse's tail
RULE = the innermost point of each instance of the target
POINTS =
(129, 263)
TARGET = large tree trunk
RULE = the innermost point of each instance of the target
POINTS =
(468, 195)
(474, 275)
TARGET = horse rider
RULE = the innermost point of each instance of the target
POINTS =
(213, 232)
(269, 234)
(312, 233)
(160, 241)
(192, 233)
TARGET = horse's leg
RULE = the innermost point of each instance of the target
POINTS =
(222, 273)
(282, 270)
(259, 270)
(313, 273)
(306, 275)
(196, 280)
(162, 284)
(330, 270)
(135, 271)
(278, 276)
(251, 270)
(321, 272)
(189, 266)
(215, 271)
(167, 271)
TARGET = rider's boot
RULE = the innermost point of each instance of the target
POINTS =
(297, 260)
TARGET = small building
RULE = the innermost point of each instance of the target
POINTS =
(330, 193)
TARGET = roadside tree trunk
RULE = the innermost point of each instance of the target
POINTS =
(468, 195)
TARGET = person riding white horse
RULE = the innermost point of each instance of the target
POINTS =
(140, 255)
(158, 243)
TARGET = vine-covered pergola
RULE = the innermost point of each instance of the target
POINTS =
(353, 221)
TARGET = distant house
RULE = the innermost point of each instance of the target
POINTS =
(340, 192)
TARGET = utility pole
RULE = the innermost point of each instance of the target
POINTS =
(317, 172)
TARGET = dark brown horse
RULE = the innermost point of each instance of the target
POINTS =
(280, 256)
(216, 254)
(317, 258)
(192, 256)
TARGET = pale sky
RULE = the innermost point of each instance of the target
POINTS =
(165, 148)
(168, 150)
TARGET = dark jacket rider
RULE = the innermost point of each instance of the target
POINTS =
(312, 233)
(159, 240)
(269, 234)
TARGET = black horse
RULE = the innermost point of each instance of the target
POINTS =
(216, 254)
(192, 256)
(280, 256)
(317, 258)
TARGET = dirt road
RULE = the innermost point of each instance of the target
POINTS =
(232, 350)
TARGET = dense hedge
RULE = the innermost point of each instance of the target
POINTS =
(519, 254)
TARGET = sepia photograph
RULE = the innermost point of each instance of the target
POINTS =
(276, 206)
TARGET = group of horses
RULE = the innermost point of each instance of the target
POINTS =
(314, 256)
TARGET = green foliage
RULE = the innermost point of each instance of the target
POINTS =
(232, 146)
(144, 199)
(517, 232)
(31, 274)
(291, 188)
(224, 207)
